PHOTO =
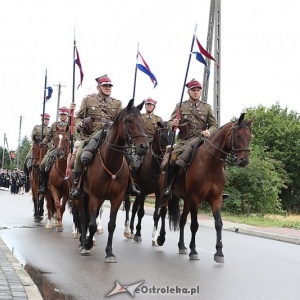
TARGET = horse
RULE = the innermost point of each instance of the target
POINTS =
(37, 156)
(107, 176)
(57, 193)
(147, 178)
(204, 180)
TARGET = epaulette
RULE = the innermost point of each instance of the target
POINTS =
(92, 95)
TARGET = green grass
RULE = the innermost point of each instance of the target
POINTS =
(292, 221)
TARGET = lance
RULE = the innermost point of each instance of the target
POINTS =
(179, 108)
(73, 99)
(44, 103)
(135, 72)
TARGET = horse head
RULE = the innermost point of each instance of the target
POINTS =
(37, 152)
(161, 139)
(240, 139)
(131, 128)
(62, 142)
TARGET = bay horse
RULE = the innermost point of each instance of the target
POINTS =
(37, 156)
(107, 176)
(57, 193)
(204, 180)
(147, 178)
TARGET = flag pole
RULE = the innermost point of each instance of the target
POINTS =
(44, 102)
(73, 97)
(134, 84)
(178, 114)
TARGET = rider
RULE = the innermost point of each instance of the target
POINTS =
(196, 120)
(100, 109)
(36, 135)
(62, 123)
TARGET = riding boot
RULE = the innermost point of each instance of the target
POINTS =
(172, 171)
(76, 191)
(42, 182)
(133, 188)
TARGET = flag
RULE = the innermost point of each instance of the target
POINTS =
(50, 90)
(142, 66)
(78, 63)
(200, 58)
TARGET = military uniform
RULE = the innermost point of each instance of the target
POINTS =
(150, 125)
(195, 117)
(49, 140)
(101, 110)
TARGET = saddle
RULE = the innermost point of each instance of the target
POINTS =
(50, 160)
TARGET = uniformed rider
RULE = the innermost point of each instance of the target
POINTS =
(36, 135)
(99, 109)
(196, 120)
(61, 124)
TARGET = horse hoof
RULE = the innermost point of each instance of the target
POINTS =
(59, 229)
(194, 257)
(48, 226)
(183, 251)
(110, 259)
(219, 259)
(128, 235)
(85, 252)
(75, 235)
(137, 238)
(80, 247)
(100, 230)
(154, 243)
(160, 240)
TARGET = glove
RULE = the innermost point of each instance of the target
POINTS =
(79, 127)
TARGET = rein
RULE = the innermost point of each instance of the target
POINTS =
(233, 150)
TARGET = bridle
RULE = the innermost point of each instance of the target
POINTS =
(129, 147)
(231, 155)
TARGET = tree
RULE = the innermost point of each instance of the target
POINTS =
(277, 131)
(23, 150)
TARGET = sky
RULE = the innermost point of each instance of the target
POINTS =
(259, 62)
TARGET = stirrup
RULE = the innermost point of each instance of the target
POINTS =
(134, 191)
(167, 193)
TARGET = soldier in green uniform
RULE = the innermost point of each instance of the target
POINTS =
(97, 110)
(196, 120)
(150, 119)
(49, 138)
(36, 135)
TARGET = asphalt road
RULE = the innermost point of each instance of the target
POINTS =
(254, 268)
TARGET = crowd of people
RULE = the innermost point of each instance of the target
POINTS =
(15, 181)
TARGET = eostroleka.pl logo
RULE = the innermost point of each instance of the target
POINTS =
(135, 288)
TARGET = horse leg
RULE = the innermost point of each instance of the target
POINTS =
(135, 207)
(57, 206)
(182, 222)
(98, 221)
(49, 212)
(110, 257)
(127, 231)
(218, 257)
(162, 233)
(194, 228)
(155, 220)
(141, 213)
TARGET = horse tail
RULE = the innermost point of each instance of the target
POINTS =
(174, 213)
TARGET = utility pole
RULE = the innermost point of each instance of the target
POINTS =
(5, 140)
(214, 25)
(58, 99)
(19, 144)
(3, 150)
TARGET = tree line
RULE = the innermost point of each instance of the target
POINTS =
(270, 183)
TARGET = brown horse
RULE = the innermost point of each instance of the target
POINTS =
(58, 185)
(107, 176)
(205, 180)
(147, 177)
(37, 156)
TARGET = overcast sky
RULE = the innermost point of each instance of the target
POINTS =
(260, 47)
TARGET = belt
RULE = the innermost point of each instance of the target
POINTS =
(102, 120)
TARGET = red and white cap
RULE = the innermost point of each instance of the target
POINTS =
(193, 84)
(46, 116)
(102, 80)
(150, 101)
(63, 110)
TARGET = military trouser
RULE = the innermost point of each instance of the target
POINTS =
(78, 163)
(27, 157)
